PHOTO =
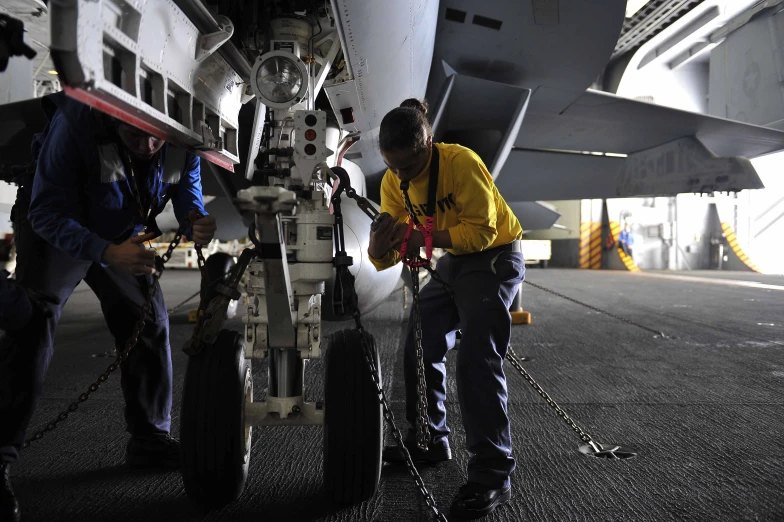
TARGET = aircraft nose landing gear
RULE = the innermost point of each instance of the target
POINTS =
(292, 257)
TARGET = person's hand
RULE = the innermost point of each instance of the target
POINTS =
(204, 228)
(398, 235)
(131, 256)
(385, 237)
(415, 241)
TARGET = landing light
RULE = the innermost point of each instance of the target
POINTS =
(279, 79)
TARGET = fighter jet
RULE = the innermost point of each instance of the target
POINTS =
(283, 100)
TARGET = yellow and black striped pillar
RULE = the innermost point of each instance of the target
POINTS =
(732, 239)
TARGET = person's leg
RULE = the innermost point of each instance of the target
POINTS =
(25, 354)
(439, 323)
(484, 287)
(146, 374)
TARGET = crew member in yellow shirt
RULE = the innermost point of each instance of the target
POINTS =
(474, 224)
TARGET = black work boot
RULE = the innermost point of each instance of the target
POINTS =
(153, 451)
(9, 507)
(435, 453)
(475, 500)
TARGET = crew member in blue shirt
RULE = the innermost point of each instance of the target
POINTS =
(626, 239)
(83, 213)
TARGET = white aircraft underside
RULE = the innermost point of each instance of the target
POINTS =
(509, 79)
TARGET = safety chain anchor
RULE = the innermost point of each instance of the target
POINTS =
(591, 447)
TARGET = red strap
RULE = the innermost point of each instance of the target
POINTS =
(404, 246)
(427, 232)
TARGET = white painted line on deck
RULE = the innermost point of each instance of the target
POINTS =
(725, 282)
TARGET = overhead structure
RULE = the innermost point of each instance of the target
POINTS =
(148, 64)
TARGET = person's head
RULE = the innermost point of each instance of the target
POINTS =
(627, 227)
(405, 139)
(139, 143)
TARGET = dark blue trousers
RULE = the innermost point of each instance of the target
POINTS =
(484, 284)
(146, 375)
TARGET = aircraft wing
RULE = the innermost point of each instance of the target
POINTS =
(653, 150)
(602, 122)
(521, 100)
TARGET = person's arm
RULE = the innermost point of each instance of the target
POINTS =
(189, 198)
(54, 208)
(475, 204)
(392, 204)
(441, 239)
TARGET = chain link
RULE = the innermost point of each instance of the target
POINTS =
(423, 431)
(423, 421)
(160, 262)
(390, 418)
(514, 360)
(610, 314)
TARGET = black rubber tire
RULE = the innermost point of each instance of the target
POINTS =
(353, 420)
(218, 265)
(214, 456)
(327, 311)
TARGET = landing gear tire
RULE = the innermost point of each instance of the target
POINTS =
(214, 441)
(353, 420)
(218, 267)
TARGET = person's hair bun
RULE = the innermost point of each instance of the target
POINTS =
(413, 103)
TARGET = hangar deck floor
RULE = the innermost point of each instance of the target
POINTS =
(704, 408)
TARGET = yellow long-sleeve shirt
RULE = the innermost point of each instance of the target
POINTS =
(468, 204)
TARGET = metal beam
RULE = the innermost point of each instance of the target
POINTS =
(197, 12)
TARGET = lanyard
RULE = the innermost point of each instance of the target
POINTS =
(432, 187)
(427, 228)
(137, 192)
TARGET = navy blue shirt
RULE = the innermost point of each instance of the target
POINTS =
(82, 197)
(15, 308)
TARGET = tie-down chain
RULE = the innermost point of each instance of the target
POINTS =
(130, 343)
(591, 447)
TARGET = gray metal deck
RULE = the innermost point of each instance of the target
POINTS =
(704, 409)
